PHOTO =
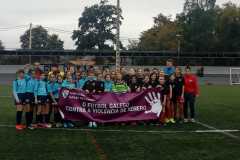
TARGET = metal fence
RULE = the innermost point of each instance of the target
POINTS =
(129, 58)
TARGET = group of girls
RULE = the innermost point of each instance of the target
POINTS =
(37, 95)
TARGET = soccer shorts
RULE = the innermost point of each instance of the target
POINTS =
(22, 99)
(30, 99)
(42, 100)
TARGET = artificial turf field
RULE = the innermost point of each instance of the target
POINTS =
(217, 107)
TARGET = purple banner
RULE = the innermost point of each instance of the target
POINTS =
(76, 105)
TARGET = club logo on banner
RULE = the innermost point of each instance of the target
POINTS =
(76, 105)
(65, 93)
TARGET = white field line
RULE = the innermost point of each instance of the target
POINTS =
(136, 131)
(6, 96)
(225, 105)
(212, 129)
(219, 131)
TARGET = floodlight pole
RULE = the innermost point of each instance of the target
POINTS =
(30, 42)
(179, 47)
(118, 58)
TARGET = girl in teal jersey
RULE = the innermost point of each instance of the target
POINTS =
(31, 82)
(70, 84)
(82, 80)
(41, 99)
(54, 87)
(19, 94)
(108, 83)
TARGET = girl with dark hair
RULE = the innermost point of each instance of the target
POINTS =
(153, 80)
(108, 83)
(134, 84)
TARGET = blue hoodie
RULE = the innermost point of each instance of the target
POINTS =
(169, 70)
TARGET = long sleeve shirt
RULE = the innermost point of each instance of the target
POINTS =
(108, 86)
(19, 86)
(191, 84)
(53, 87)
(40, 88)
(81, 83)
(68, 85)
(30, 85)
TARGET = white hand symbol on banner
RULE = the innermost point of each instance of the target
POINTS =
(154, 100)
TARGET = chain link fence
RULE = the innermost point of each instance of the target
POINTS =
(128, 58)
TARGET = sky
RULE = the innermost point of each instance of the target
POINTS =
(63, 14)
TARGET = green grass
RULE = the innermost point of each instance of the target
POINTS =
(169, 146)
(5, 90)
(42, 144)
(218, 106)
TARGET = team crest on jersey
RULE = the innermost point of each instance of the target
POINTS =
(65, 93)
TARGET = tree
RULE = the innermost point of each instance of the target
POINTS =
(191, 5)
(161, 20)
(162, 36)
(54, 42)
(41, 39)
(228, 28)
(133, 45)
(198, 28)
(96, 26)
(1, 45)
(202, 26)
(211, 28)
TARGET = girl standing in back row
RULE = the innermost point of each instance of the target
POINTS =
(190, 94)
(41, 99)
(178, 94)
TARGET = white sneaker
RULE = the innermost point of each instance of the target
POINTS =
(48, 125)
(90, 125)
(59, 125)
(94, 124)
(192, 120)
(30, 127)
(185, 120)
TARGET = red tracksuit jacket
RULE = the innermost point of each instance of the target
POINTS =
(191, 84)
